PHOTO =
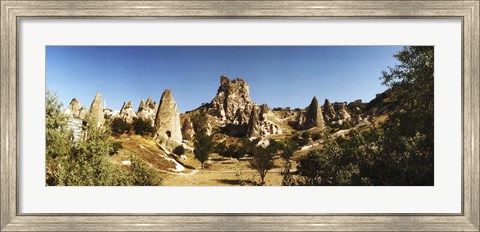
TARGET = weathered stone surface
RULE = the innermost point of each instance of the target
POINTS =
(342, 112)
(263, 111)
(231, 95)
(329, 111)
(151, 105)
(96, 110)
(82, 113)
(167, 120)
(147, 110)
(233, 108)
(109, 113)
(253, 129)
(127, 113)
(74, 108)
(188, 132)
(142, 106)
(239, 117)
(313, 116)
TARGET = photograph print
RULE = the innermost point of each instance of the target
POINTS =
(239, 116)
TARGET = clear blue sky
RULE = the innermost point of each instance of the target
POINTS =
(280, 76)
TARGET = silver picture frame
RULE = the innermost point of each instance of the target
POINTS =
(12, 11)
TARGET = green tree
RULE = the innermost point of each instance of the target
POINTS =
(59, 139)
(203, 144)
(287, 150)
(179, 150)
(409, 133)
(85, 162)
(400, 151)
(262, 161)
(222, 149)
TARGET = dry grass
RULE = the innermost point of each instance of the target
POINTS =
(210, 177)
(145, 148)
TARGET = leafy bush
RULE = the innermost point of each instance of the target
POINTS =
(221, 149)
(143, 127)
(119, 126)
(316, 136)
(143, 174)
(87, 161)
(117, 146)
(400, 151)
(179, 150)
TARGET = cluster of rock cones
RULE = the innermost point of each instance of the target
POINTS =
(230, 109)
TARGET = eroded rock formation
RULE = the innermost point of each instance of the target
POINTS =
(147, 111)
(96, 110)
(73, 109)
(328, 111)
(313, 116)
(188, 132)
(127, 113)
(231, 95)
(253, 129)
(167, 120)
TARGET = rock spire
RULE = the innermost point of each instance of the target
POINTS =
(313, 115)
(96, 110)
(167, 120)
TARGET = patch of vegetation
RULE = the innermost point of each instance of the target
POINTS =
(203, 144)
(143, 127)
(179, 150)
(119, 126)
(316, 136)
(398, 152)
(143, 174)
(85, 162)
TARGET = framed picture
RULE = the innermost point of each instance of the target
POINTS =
(245, 115)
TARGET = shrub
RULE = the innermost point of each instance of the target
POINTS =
(179, 150)
(316, 136)
(119, 126)
(143, 174)
(222, 149)
(82, 163)
(143, 127)
(117, 146)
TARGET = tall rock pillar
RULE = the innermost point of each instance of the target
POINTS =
(167, 120)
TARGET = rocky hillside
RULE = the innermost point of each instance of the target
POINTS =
(232, 113)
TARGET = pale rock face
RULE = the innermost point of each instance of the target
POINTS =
(253, 130)
(167, 120)
(82, 113)
(274, 129)
(329, 111)
(231, 95)
(96, 110)
(263, 111)
(313, 116)
(233, 107)
(108, 113)
(147, 110)
(188, 132)
(238, 119)
(342, 112)
(127, 113)
(74, 108)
